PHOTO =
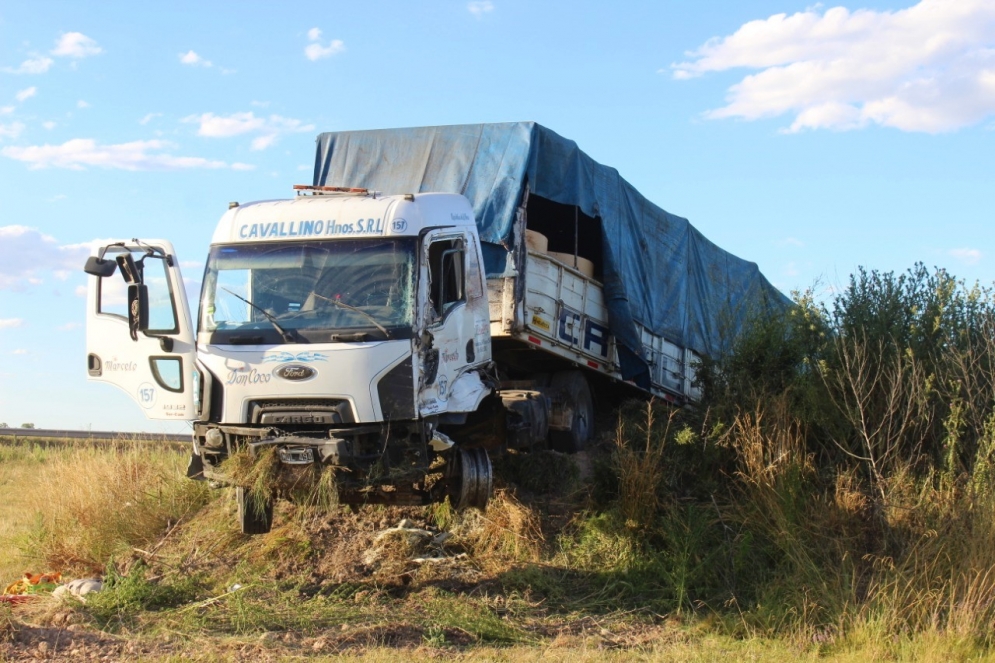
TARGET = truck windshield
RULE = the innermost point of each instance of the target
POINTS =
(313, 291)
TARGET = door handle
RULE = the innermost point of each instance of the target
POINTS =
(94, 366)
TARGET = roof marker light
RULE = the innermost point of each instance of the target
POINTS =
(305, 188)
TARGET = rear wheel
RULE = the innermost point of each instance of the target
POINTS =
(255, 518)
(573, 385)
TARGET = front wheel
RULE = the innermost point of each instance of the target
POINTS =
(470, 479)
(573, 385)
(254, 516)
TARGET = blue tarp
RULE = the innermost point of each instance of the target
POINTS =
(658, 270)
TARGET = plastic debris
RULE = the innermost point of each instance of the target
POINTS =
(79, 588)
(34, 583)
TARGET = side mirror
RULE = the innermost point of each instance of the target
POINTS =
(138, 308)
(130, 270)
(99, 267)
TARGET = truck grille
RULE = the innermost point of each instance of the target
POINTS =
(302, 412)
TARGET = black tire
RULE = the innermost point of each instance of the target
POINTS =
(485, 481)
(574, 386)
(471, 479)
(253, 519)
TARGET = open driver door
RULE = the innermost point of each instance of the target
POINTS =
(139, 336)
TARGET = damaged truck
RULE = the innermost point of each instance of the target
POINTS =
(436, 296)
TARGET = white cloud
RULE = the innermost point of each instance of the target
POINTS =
(194, 60)
(259, 104)
(269, 129)
(26, 93)
(6, 110)
(316, 51)
(242, 166)
(19, 351)
(10, 323)
(82, 104)
(262, 142)
(37, 65)
(148, 118)
(480, 7)
(219, 126)
(28, 257)
(928, 68)
(76, 45)
(49, 125)
(12, 130)
(80, 291)
(966, 256)
(78, 153)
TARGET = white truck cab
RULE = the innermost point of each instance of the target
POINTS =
(339, 327)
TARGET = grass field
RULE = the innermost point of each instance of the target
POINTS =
(173, 562)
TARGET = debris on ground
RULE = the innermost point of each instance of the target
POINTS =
(36, 584)
(406, 542)
(78, 588)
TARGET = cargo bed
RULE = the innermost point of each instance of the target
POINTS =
(561, 311)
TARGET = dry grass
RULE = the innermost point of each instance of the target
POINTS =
(313, 489)
(857, 570)
(639, 455)
(94, 504)
(508, 533)
(21, 467)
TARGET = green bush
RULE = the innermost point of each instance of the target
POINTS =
(836, 477)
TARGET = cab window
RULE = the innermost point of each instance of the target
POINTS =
(112, 293)
(447, 275)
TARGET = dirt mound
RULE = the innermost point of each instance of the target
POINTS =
(319, 551)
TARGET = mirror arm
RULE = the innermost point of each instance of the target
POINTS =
(103, 249)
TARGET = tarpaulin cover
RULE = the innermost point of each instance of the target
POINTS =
(658, 270)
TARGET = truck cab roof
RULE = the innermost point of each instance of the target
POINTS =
(342, 215)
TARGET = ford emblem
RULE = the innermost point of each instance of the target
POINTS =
(295, 372)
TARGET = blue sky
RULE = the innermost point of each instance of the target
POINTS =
(808, 138)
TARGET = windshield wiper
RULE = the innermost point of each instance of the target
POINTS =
(342, 304)
(287, 336)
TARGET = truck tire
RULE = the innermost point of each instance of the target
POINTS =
(574, 386)
(250, 517)
(471, 479)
